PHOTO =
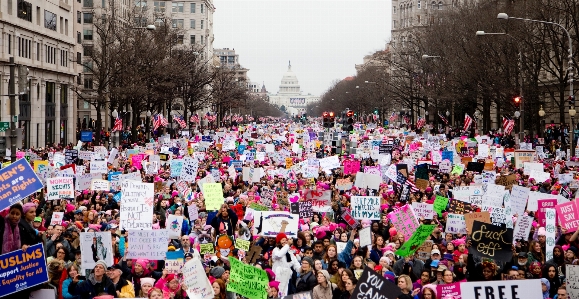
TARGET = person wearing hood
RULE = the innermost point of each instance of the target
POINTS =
(96, 284)
(545, 286)
(551, 273)
(558, 259)
(28, 234)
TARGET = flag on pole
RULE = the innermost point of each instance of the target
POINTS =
(508, 125)
(443, 118)
(467, 122)
(118, 126)
(406, 119)
(393, 116)
(179, 120)
(156, 122)
(194, 118)
(420, 122)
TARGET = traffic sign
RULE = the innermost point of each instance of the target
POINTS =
(4, 125)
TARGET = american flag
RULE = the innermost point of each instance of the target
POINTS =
(118, 124)
(159, 121)
(443, 118)
(194, 118)
(210, 118)
(179, 119)
(420, 122)
(393, 116)
(467, 121)
(406, 119)
(508, 125)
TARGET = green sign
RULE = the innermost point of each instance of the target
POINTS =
(247, 280)
(440, 204)
(417, 239)
(4, 125)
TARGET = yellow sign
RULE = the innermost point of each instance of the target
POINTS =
(38, 165)
(289, 162)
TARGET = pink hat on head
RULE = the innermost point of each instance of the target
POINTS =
(542, 232)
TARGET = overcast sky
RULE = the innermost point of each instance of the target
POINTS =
(324, 39)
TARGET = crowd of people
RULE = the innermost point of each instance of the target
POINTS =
(324, 258)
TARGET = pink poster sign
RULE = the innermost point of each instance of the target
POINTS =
(404, 221)
(452, 289)
(136, 161)
(568, 216)
(351, 166)
(544, 204)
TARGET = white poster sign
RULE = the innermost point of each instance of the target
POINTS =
(148, 244)
(136, 205)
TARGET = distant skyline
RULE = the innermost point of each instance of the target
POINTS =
(323, 39)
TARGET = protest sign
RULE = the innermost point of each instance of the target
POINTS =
(22, 270)
(58, 188)
(519, 196)
(189, 169)
(455, 224)
(484, 217)
(173, 265)
(306, 209)
(351, 166)
(100, 185)
(491, 241)
(365, 207)
(83, 181)
(206, 248)
(440, 204)
(97, 166)
(459, 207)
(174, 226)
(452, 289)
(572, 277)
(351, 221)
(242, 244)
(269, 224)
(543, 205)
(423, 210)
(213, 193)
(176, 166)
(95, 246)
(527, 288)
(136, 205)
(344, 184)
(196, 281)
(56, 218)
(568, 216)
(551, 229)
(373, 285)
(148, 244)
(365, 236)
(19, 181)
(419, 236)
(523, 227)
(404, 221)
(247, 280)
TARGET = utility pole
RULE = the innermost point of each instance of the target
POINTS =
(12, 95)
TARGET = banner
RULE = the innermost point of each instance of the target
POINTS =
(365, 207)
(269, 224)
(492, 241)
(420, 235)
(148, 244)
(100, 185)
(523, 228)
(423, 210)
(528, 289)
(58, 188)
(247, 280)
(568, 215)
(213, 193)
(551, 229)
(136, 205)
(196, 281)
(56, 218)
(373, 285)
(452, 289)
(18, 181)
(22, 270)
(95, 246)
(455, 224)
(404, 221)
(572, 276)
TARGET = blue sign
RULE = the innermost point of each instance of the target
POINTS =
(240, 149)
(86, 136)
(117, 197)
(22, 270)
(17, 181)
(206, 138)
(238, 165)
(448, 155)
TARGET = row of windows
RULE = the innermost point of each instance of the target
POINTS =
(24, 12)
(24, 47)
(176, 7)
(179, 23)
(433, 5)
(85, 17)
(25, 51)
(192, 39)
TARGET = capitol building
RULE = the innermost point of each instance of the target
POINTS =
(290, 95)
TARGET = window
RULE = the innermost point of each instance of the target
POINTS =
(50, 54)
(440, 5)
(418, 19)
(87, 51)
(86, 104)
(64, 58)
(177, 6)
(192, 7)
(63, 93)
(87, 67)
(202, 24)
(202, 40)
(50, 87)
(78, 37)
(38, 51)
(192, 24)
(25, 10)
(87, 3)
(87, 34)
(38, 15)
(178, 23)
(419, 5)
(87, 17)
(66, 26)
(159, 6)
(180, 39)
(394, 24)
(192, 39)
(433, 5)
(24, 47)
(78, 58)
(141, 3)
(49, 20)
(393, 9)
(88, 83)
(202, 7)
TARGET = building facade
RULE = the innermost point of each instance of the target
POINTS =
(290, 95)
(40, 37)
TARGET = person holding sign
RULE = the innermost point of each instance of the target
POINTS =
(9, 230)
(96, 284)
(225, 221)
(282, 257)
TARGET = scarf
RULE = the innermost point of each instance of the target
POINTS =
(11, 238)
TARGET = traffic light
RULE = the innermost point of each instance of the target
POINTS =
(332, 120)
(571, 101)
(326, 119)
(349, 123)
(517, 101)
(376, 110)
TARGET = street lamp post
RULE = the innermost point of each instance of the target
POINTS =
(572, 113)
(148, 124)
(541, 115)
(115, 114)
(504, 16)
